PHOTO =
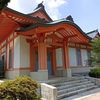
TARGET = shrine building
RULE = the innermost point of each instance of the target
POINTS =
(35, 45)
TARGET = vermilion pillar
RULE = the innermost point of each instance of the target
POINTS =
(32, 58)
(66, 55)
(54, 60)
(42, 54)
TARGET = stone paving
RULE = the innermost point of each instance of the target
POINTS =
(89, 95)
(95, 96)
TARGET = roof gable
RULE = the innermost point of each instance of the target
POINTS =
(93, 34)
(40, 12)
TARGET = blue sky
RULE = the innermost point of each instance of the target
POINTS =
(85, 13)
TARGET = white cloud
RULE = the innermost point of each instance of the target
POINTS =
(55, 3)
(24, 6)
(27, 6)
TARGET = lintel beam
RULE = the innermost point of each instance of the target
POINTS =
(54, 37)
(54, 44)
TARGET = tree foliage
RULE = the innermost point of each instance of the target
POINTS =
(90, 62)
(94, 60)
(96, 47)
(3, 3)
(95, 72)
(96, 51)
(21, 88)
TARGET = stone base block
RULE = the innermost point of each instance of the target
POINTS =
(59, 73)
(63, 73)
(41, 75)
(12, 74)
(67, 73)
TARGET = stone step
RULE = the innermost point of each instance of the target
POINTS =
(67, 83)
(73, 85)
(76, 92)
(64, 80)
(74, 88)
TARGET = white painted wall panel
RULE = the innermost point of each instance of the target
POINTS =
(17, 52)
(24, 53)
(84, 57)
(59, 57)
(72, 56)
(11, 43)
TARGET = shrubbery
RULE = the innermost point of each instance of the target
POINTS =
(95, 73)
(21, 88)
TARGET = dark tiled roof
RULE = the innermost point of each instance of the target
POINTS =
(25, 15)
(93, 33)
(54, 23)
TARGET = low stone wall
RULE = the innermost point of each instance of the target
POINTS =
(81, 69)
(94, 80)
(72, 70)
(48, 92)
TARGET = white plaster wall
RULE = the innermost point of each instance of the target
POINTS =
(84, 57)
(11, 44)
(17, 52)
(24, 52)
(59, 57)
(72, 56)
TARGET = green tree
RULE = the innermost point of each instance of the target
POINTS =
(95, 57)
(21, 88)
(3, 3)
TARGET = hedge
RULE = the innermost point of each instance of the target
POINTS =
(21, 88)
(95, 73)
